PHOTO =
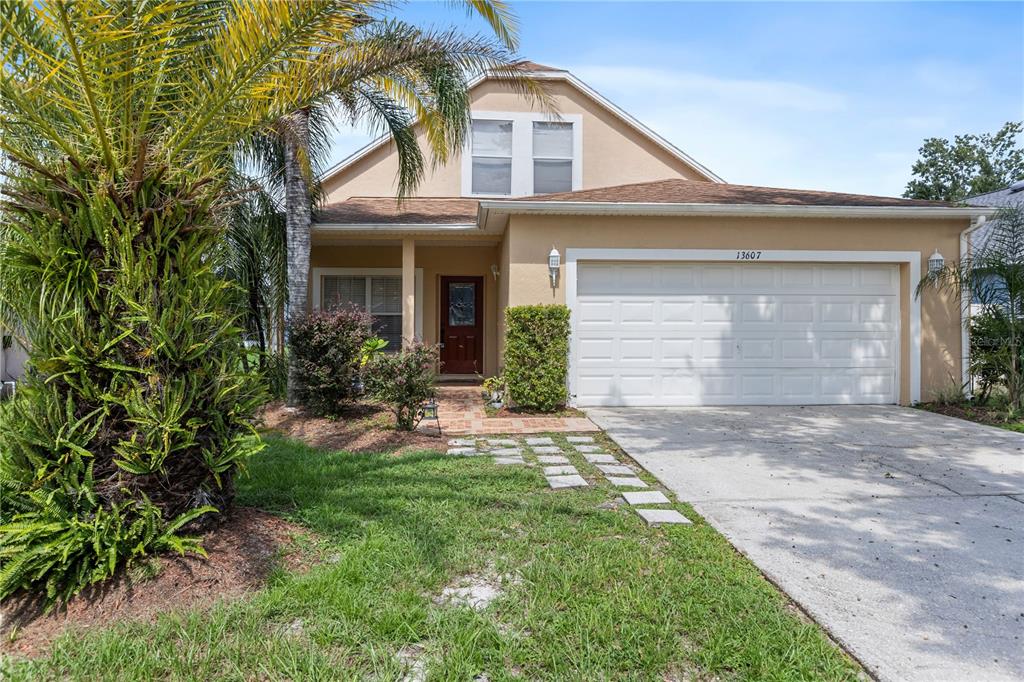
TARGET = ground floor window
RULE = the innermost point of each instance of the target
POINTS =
(381, 295)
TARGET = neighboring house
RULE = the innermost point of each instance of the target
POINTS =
(12, 360)
(684, 290)
(1011, 195)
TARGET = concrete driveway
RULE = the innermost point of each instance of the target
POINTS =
(900, 531)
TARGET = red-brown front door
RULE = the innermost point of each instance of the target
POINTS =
(462, 325)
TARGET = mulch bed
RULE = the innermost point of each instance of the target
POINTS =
(989, 416)
(242, 552)
(362, 428)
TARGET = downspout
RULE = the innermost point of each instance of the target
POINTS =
(965, 311)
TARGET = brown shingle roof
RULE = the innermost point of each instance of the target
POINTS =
(695, 192)
(388, 211)
(534, 66)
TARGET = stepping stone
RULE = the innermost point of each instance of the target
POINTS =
(502, 442)
(506, 452)
(547, 450)
(655, 517)
(589, 448)
(540, 441)
(509, 460)
(462, 442)
(600, 458)
(626, 482)
(463, 452)
(560, 470)
(580, 439)
(645, 497)
(616, 469)
(553, 459)
(570, 481)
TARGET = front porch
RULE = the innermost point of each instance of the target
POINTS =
(438, 291)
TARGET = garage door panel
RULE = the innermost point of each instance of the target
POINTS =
(752, 333)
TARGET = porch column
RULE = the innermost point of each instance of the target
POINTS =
(408, 291)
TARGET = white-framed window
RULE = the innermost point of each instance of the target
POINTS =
(376, 290)
(552, 156)
(492, 157)
(522, 153)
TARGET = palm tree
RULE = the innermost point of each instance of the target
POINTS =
(392, 77)
(119, 129)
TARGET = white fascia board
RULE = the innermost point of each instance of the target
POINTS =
(583, 87)
(395, 227)
(743, 210)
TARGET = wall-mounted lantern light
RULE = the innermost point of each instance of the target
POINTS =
(935, 263)
(554, 260)
(496, 272)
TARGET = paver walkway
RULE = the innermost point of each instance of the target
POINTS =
(460, 410)
(560, 472)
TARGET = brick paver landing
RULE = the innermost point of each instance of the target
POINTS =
(460, 409)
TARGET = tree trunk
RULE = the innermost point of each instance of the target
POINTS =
(298, 219)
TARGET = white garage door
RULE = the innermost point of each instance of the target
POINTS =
(732, 334)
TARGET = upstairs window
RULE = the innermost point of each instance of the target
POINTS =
(492, 157)
(521, 153)
(552, 157)
(381, 295)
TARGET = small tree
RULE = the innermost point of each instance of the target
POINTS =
(969, 165)
(993, 278)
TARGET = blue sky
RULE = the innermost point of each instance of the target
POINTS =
(810, 95)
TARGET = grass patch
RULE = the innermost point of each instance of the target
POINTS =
(996, 414)
(595, 595)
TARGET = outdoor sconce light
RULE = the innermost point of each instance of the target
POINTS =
(496, 272)
(936, 263)
(554, 260)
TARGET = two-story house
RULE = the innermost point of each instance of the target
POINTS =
(684, 290)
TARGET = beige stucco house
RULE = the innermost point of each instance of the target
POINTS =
(684, 290)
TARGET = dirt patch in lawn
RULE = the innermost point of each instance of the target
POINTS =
(990, 416)
(362, 428)
(242, 553)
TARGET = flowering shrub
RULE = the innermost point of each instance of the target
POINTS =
(326, 353)
(403, 381)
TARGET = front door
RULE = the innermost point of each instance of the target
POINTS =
(462, 325)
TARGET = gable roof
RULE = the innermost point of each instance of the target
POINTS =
(545, 72)
(678, 191)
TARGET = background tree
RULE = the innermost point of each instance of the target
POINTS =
(969, 165)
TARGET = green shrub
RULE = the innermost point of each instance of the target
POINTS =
(403, 381)
(135, 413)
(537, 356)
(327, 351)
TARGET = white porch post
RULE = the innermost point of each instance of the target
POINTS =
(408, 291)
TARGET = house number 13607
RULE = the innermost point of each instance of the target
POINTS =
(748, 255)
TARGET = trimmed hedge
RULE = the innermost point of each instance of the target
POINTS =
(537, 356)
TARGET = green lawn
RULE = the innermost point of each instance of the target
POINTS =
(597, 595)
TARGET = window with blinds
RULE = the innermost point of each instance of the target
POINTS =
(492, 157)
(552, 157)
(381, 295)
